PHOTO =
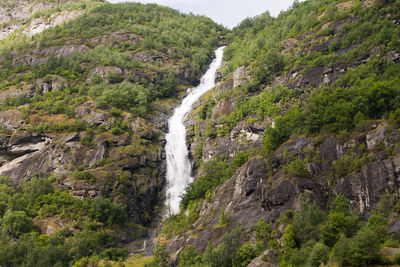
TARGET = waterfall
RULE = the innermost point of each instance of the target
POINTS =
(178, 165)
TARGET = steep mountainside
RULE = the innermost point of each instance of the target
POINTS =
(296, 152)
(298, 146)
(29, 17)
(83, 110)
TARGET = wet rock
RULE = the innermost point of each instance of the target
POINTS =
(328, 149)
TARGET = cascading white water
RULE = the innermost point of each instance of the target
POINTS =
(178, 165)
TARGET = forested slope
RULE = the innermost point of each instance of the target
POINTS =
(297, 148)
(83, 116)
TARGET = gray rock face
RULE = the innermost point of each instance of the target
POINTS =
(16, 16)
(19, 150)
(378, 135)
(223, 108)
(374, 180)
(11, 119)
(38, 25)
(41, 55)
(245, 198)
(267, 259)
(103, 71)
(239, 76)
(146, 58)
(262, 191)
(54, 85)
(115, 38)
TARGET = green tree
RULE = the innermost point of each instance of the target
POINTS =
(244, 255)
(341, 252)
(319, 254)
(161, 258)
(289, 237)
(340, 221)
(15, 223)
(365, 248)
(284, 127)
(189, 256)
(307, 220)
(379, 225)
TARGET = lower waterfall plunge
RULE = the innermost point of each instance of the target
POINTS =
(178, 165)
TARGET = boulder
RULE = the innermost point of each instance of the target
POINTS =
(267, 259)
(11, 119)
(239, 76)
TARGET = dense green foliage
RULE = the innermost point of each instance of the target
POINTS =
(85, 234)
(228, 253)
(181, 42)
(270, 47)
(313, 238)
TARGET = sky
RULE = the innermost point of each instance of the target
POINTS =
(227, 12)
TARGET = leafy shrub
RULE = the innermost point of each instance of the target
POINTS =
(161, 258)
(306, 222)
(84, 175)
(319, 254)
(244, 255)
(224, 253)
(216, 171)
(15, 223)
(289, 238)
(284, 127)
(297, 168)
(379, 225)
(365, 248)
(114, 78)
(223, 219)
(340, 221)
(189, 257)
(116, 131)
(116, 254)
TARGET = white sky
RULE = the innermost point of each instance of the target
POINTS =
(227, 12)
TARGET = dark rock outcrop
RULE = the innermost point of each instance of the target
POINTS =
(261, 190)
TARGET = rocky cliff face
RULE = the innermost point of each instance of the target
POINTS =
(30, 18)
(263, 189)
(24, 154)
(361, 164)
(87, 104)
